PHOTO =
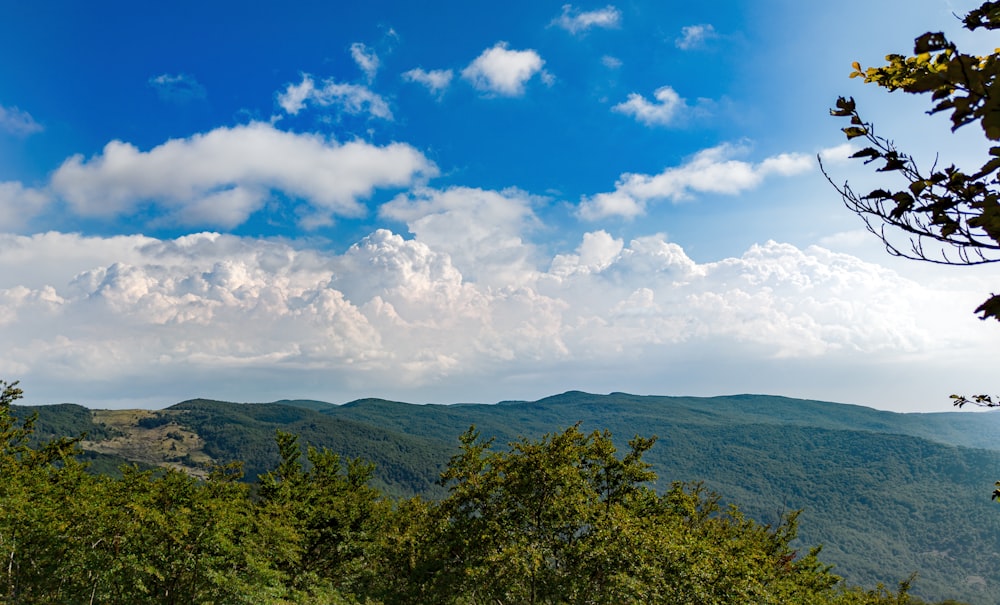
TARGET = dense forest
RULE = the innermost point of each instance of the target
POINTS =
(886, 494)
(564, 518)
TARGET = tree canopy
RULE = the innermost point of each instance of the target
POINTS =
(944, 214)
(562, 519)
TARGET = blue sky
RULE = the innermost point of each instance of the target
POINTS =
(466, 201)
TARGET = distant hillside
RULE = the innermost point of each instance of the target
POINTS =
(886, 494)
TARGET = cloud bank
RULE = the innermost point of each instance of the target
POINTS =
(480, 230)
(220, 314)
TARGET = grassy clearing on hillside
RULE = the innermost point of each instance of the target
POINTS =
(151, 437)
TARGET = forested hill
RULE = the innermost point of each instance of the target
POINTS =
(886, 494)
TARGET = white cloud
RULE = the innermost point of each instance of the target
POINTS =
(352, 99)
(221, 177)
(181, 88)
(695, 36)
(243, 319)
(710, 171)
(595, 254)
(661, 113)
(854, 240)
(501, 71)
(366, 59)
(293, 100)
(18, 205)
(611, 62)
(839, 154)
(435, 80)
(18, 122)
(480, 230)
(574, 21)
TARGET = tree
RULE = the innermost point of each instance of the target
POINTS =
(946, 215)
(68, 536)
(565, 519)
(535, 524)
(330, 519)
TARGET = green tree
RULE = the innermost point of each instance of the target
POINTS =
(67, 536)
(945, 215)
(566, 520)
(527, 525)
(325, 521)
(168, 537)
(36, 483)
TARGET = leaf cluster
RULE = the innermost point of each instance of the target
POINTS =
(948, 208)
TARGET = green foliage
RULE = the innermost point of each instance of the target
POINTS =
(948, 207)
(61, 420)
(560, 520)
(332, 519)
(169, 538)
(565, 520)
(571, 511)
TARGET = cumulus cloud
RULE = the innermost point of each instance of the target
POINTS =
(222, 177)
(250, 319)
(480, 230)
(660, 113)
(611, 62)
(575, 21)
(435, 80)
(596, 253)
(695, 36)
(180, 88)
(501, 71)
(366, 59)
(352, 99)
(19, 204)
(839, 154)
(712, 170)
(18, 122)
